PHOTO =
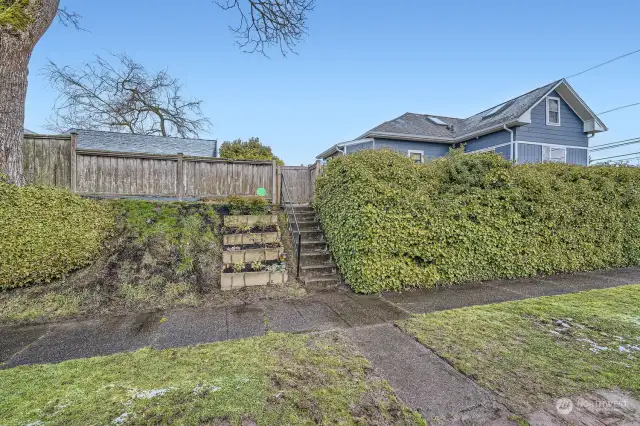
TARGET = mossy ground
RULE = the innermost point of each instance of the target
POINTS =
(163, 255)
(274, 379)
(533, 350)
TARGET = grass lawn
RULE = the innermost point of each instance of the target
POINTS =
(274, 379)
(536, 349)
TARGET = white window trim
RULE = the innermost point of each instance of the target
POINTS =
(554, 147)
(416, 151)
(559, 120)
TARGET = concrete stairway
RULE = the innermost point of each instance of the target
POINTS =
(316, 265)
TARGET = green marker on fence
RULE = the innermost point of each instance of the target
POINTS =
(261, 192)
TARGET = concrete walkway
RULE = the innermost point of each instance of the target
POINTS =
(321, 312)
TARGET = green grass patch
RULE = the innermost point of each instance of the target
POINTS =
(531, 350)
(274, 379)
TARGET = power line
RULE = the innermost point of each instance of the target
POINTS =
(615, 156)
(615, 144)
(604, 63)
(622, 107)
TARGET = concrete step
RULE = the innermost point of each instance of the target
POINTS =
(309, 225)
(317, 270)
(305, 209)
(310, 234)
(314, 257)
(312, 245)
(322, 281)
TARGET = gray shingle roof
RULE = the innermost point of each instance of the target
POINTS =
(420, 125)
(127, 142)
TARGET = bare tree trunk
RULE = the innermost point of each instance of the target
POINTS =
(13, 91)
(16, 45)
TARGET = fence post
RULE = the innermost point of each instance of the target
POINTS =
(274, 195)
(180, 176)
(279, 185)
(73, 160)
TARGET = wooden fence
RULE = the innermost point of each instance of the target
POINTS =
(300, 182)
(54, 160)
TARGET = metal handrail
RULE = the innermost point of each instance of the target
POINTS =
(296, 236)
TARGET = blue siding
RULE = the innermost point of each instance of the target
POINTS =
(570, 131)
(529, 153)
(359, 147)
(505, 151)
(487, 141)
(431, 150)
(577, 156)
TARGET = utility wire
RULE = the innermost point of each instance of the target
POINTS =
(614, 156)
(604, 63)
(616, 109)
(614, 144)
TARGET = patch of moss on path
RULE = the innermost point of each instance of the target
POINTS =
(550, 347)
(274, 379)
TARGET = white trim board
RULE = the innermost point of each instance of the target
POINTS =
(554, 145)
(555, 98)
(416, 151)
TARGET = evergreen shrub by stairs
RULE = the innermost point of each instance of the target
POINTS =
(393, 224)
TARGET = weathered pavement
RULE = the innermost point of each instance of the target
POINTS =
(423, 380)
(323, 311)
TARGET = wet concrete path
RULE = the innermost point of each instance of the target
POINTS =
(20, 345)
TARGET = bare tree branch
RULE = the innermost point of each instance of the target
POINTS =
(124, 96)
(69, 19)
(267, 23)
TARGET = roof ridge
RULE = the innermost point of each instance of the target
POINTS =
(516, 97)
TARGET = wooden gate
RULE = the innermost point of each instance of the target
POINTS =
(299, 182)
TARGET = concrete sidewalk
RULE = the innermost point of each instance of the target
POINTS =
(323, 311)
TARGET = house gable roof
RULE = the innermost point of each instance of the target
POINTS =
(127, 142)
(516, 111)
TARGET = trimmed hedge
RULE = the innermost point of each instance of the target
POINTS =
(46, 232)
(392, 224)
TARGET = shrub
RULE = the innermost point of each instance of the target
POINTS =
(393, 224)
(252, 149)
(253, 205)
(46, 232)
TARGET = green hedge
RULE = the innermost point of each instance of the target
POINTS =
(46, 232)
(392, 224)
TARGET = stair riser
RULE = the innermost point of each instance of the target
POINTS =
(321, 285)
(309, 273)
(315, 226)
(304, 212)
(304, 217)
(313, 236)
(315, 259)
(314, 246)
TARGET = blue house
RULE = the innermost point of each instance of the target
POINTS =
(549, 124)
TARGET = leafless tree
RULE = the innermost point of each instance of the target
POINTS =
(121, 95)
(267, 23)
(263, 24)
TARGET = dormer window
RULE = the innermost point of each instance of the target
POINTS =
(553, 111)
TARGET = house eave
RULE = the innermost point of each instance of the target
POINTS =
(336, 148)
(575, 102)
(489, 130)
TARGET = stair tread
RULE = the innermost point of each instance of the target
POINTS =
(322, 278)
(319, 266)
(315, 253)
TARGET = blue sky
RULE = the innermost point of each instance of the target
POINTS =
(363, 62)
